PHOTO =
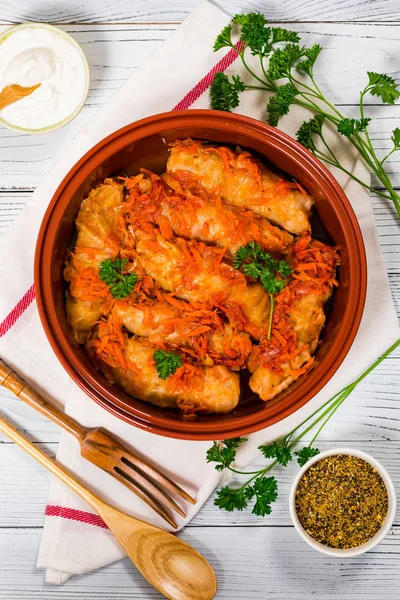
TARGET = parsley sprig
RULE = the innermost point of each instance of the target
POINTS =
(258, 264)
(286, 68)
(166, 362)
(265, 488)
(119, 283)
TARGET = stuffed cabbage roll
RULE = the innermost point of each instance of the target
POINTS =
(200, 333)
(298, 320)
(307, 318)
(99, 236)
(191, 389)
(243, 181)
(180, 205)
(194, 271)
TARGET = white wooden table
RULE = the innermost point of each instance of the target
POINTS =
(254, 557)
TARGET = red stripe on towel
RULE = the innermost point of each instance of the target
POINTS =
(205, 83)
(75, 515)
(185, 103)
(17, 311)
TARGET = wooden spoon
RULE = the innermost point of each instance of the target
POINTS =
(173, 567)
(14, 92)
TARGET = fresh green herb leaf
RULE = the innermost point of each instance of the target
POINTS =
(166, 363)
(348, 127)
(258, 264)
(224, 39)
(251, 270)
(271, 283)
(251, 251)
(305, 454)
(279, 104)
(284, 268)
(383, 86)
(224, 453)
(278, 450)
(254, 32)
(230, 499)
(245, 18)
(396, 137)
(284, 35)
(312, 55)
(234, 443)
(254, 254)
(265, 491)
(120, 284)
(283, 60)
(214, 454)
(225, 93)
(308, 130)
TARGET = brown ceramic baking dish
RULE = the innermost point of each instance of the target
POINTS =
(145, 144)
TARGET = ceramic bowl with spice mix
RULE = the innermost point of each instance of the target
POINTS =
(342, 502)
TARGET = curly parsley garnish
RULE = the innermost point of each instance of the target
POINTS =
(305, 454)
(258, 264)
(166, 363)
(286, 68)
(263, 489)
(277, 450)
(226, 92)
(120, 284)
(224, 454)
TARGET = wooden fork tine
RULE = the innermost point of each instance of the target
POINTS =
(146, 497)
(134, 461)
(99, 447)
(149, 486)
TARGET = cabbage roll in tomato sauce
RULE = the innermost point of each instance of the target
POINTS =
(180, 205)
(298, 319)
(99, 237)
(191, 389)
(198, 332)
(244, 181)
(194, 271)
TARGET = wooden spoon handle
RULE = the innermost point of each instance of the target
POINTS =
(25, 392)
(54, 467)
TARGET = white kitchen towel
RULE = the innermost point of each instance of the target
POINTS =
(177, 75)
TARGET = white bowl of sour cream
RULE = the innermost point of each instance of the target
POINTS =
(39, 53)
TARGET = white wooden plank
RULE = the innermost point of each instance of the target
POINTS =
(103, 11)
(115, 51)
(256, 563)
(24, 486)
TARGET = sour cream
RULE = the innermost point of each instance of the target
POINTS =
(38, 53)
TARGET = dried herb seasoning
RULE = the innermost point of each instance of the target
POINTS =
(341, 501)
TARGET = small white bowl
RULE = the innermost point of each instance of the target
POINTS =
(372, 542)
(73, 42)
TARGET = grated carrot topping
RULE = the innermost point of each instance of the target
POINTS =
(279, 337)
(199, 330)
(165, 228)
(225, 153)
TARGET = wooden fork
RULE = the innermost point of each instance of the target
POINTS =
(13, 93)
(106, 452)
